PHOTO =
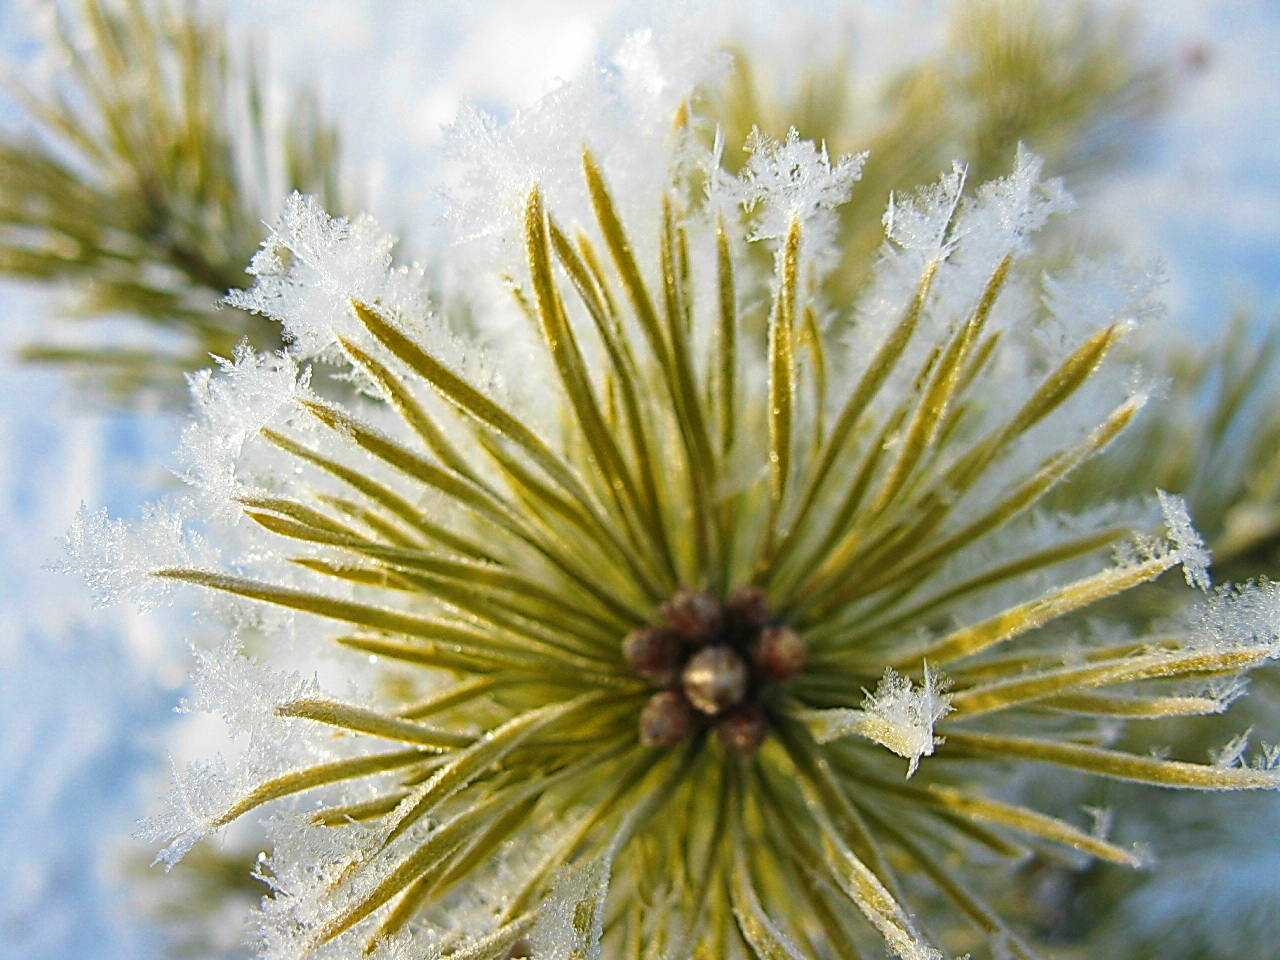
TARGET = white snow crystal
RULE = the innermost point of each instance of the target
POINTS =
(304, 871)
(787, 181)
(242, 692)
(899, 716)
(571, 919)
(1095, 292)
(117, 558)
(621, 109)
(938, 220)
(923, 221)
(313, 265)
(1221, 691)
(1237, 617)
(1187, 542)
(230, 409)
(248, 697)
(1006, 212)
(1231, 753)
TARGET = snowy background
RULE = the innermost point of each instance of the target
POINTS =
(86, 696)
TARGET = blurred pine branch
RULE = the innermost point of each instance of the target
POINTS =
(1067, 80)
(142, 186)
(1216, 442)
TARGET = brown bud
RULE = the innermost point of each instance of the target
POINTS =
(654, 654)
(667, 719)
(715, 679)
(779, 652)
(522, 949)
(693, 613)
(746, 610)
(743, 730)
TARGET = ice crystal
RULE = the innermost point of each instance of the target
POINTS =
(312, 264)
(116, 558)
(621, 110)
(248, 697)
(571, 921)
(1238, 618)
(230, 411)
(923, 222)
(655, 638)
(1186, 541)
(898, 716)
(791, 180)
(1093, 292)
(1231, 753)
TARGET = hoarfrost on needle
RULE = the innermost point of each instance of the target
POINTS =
(313, 265)
(249, 697)
(1187, 542)
(252, 391)
(116, 558)
(899, 716)
(789, 181)
(621, 111)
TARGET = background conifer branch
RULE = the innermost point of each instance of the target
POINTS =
(1067, 80)
(142, 186)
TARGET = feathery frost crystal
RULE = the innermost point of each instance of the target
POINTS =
(707, 617)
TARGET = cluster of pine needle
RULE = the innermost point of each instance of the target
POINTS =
(143, 176)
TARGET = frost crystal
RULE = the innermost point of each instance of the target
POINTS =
(899, 716)
(1018, 205)
(230, 410)
(248, 697)
(1095, 292)
(621, 111)
(1187, 542)
(1239, 617)
(117, 559)
(304, 869)
(229, 684)
(788, 181)
(1231, 753)
(312, 266)
(571, 920)
(923, 222)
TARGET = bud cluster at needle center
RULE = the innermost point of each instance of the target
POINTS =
(713, 661)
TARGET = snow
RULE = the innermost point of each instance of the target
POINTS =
(116, 558)
(622, 111)
(1238, 617)
(248, 697)
(571, 921)
(231, 407)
